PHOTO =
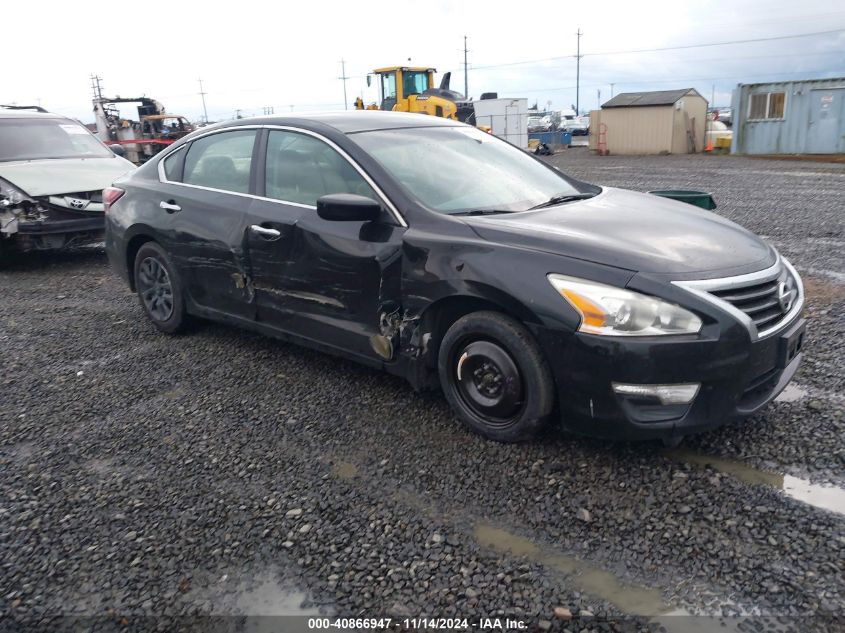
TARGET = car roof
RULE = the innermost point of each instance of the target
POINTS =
(347, 122)
(12, 113)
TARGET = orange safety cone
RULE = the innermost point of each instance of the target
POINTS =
(709, 147)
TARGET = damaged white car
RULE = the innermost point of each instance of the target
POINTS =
(52, 174)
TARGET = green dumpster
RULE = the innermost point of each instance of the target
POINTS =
(695, 198)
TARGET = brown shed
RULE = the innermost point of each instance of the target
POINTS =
(662, 122)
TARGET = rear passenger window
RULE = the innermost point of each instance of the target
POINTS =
(173, 165)
(221, 161)
(301, 168)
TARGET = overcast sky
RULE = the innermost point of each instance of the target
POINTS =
(285, 55)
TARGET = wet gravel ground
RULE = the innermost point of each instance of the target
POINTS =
(223, 472)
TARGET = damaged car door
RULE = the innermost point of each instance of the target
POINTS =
(203, 202)
(326, 280)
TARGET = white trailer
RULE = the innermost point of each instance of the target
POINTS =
(508, 119)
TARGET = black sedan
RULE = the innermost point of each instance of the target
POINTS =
(442, 254)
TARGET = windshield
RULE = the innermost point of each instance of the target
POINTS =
(34, 139)
(458, 169)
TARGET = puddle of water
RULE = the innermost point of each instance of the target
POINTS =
(264, 600)
(827, 497)
(682, 621)
(267, 598)
(792, 393)
(257, 594)
(631, 599)
(345, 470)
(504, 541)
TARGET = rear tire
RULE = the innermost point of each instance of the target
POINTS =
(495, 377)
(159, 289)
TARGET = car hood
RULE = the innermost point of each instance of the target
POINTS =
(635, 231)
(64, 175)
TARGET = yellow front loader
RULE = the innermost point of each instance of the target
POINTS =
(411, 89)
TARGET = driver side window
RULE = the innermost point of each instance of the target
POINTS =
(301, 168)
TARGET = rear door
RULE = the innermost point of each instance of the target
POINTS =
(208, 196)
(324, 280)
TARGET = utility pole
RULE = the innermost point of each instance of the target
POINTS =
(344, 77)
(598, 107)
(204, 111)
(611, 90)
(578, 73)
(713, 95)
(466, 69)
(95, 86)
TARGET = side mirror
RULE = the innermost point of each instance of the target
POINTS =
(117, 149)
(348, 207)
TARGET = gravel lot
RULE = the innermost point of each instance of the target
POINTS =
(227, 473)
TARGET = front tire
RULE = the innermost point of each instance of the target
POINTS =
(495, 377)
(159, 289)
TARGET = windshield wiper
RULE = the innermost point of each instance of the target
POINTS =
(482, 212)
(562, 198)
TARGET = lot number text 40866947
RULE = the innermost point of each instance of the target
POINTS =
(420, 623)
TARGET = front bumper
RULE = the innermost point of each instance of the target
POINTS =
(51, 233)
(54, 227)
(738, 377)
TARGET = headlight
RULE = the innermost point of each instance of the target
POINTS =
(617, 312)
(11, 196)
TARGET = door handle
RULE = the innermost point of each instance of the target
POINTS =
(170, 207)
(265, 232)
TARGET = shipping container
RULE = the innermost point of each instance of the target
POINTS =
(790, 117)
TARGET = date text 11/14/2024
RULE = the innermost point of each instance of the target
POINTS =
(420, 623)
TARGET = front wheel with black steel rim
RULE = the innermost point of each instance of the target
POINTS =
(495, 377)
(159, 289)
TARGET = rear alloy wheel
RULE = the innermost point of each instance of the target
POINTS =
(155, 289)
(159, 289)
(495, 377)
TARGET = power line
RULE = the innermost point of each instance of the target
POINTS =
(246, 90)
(749, 41)
(766, 56)
(664, 48)
(676, 81)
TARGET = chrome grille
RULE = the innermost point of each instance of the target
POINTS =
(765, 303)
